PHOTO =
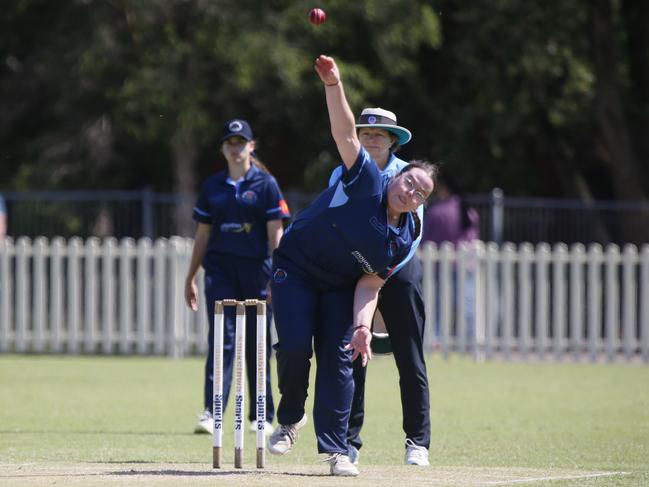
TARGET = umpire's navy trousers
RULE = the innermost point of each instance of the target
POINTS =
(238, 278)
(402, 307)
(308, 318)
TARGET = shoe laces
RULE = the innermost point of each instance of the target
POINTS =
(289, 431)
(205, 416)
(333, 458)
(416, 450)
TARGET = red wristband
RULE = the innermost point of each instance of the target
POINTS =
(361, 326)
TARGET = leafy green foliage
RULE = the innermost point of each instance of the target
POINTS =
(107, 94)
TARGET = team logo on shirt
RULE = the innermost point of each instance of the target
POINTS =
(235, 126)
(236, 227)
(249, 197)
(365, 265)
(280, 275)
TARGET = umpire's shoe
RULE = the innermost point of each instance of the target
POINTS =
(284, 437)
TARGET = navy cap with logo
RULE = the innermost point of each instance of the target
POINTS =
(236, 128)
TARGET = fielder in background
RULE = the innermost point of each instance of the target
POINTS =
(401, 304)
(239, 214)
(327, 272)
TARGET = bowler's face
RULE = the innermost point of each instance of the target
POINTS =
(409, 190)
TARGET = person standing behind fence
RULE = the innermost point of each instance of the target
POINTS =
(239, 212)
(449, 219)
(401, 305)
(3, 218)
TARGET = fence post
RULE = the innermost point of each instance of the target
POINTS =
(23, 315)
(6, 280)
(428, 255)
(542, 298)
(559, 298)
(630, 261)
(41, 252)
(160, 280)
(57, 309)
(143, 292)
(178, 334)
(479, 304)
(497, 215)
(91, 288)
(74, 303)
(524, 301)
(644, 300)
(509, 258)
(493, 299)
(593, 305)
(578, 298)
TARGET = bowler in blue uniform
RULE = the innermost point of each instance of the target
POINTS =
(327, 272)
(401, 305)
(239, 214)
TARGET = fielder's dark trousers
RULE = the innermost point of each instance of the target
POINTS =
(402, 306)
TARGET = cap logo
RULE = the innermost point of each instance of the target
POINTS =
(235, 126)
(371, 119)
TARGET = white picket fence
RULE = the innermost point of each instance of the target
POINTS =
(97, 296)
(127, 297)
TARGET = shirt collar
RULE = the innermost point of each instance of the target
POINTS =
(252, 173)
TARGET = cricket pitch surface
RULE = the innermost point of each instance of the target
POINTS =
(190, 474)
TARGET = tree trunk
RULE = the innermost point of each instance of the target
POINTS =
(636, 19)
(621, 159)
(184, 158)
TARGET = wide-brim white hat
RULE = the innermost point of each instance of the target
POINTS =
(383, 119)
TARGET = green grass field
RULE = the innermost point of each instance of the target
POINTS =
(129, 421)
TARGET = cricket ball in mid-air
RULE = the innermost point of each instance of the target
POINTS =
(317, 16)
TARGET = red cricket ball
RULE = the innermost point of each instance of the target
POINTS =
(317, 16)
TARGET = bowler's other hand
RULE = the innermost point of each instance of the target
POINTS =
(326, 68)
(191, 294)
(361, 344)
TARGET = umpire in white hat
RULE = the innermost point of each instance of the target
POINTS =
(401, 305)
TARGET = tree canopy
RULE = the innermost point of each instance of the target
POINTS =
(540, 98)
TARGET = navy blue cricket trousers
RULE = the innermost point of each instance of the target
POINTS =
(402, 307)
(306, 319)
(238, 278)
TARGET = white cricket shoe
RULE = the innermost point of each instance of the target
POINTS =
(415, 454)
(284, 437)
(353, 454)
(268, 428)
(341, 466)
(205, 423)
